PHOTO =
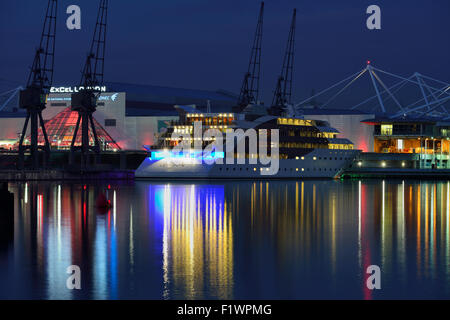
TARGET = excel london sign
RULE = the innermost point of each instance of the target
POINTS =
(75, 89)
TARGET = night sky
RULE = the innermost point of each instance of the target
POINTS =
(205, 44)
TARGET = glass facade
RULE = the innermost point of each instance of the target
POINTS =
(60, 131)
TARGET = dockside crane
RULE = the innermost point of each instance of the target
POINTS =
(33, 97)
(85, 101)
(250, 85)
(283, 92)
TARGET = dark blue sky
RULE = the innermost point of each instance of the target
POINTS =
(205, 44)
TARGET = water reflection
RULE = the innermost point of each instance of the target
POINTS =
(197, 240)
(292, 239)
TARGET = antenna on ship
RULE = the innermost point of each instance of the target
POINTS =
(250, 85)
(85, 101)
(34, 97)
(283, 91)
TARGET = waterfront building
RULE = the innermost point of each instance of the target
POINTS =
(348, 123)
(131, 115)
(423, 141)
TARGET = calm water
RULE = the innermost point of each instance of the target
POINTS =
(229, 240)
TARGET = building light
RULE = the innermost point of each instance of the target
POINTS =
(360, 163)
(403, 163)
(314, 158)
(296, 169)
(296, 158)
(254, 169)
(386, 129)
(303, 169)
(303, 158)
(383, 164)
(400, 144)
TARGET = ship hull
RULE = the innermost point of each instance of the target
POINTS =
(319, 163)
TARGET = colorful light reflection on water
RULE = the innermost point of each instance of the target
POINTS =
(229, 240)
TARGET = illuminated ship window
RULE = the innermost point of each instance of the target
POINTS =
(60, 131)
(294, 122)
(341, 146)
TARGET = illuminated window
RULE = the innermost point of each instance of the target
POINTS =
(294, 122)
(386, 129)
(400, 144)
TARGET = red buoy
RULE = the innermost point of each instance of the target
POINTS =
(102, 202)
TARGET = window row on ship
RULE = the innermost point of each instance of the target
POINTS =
(301, 145)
